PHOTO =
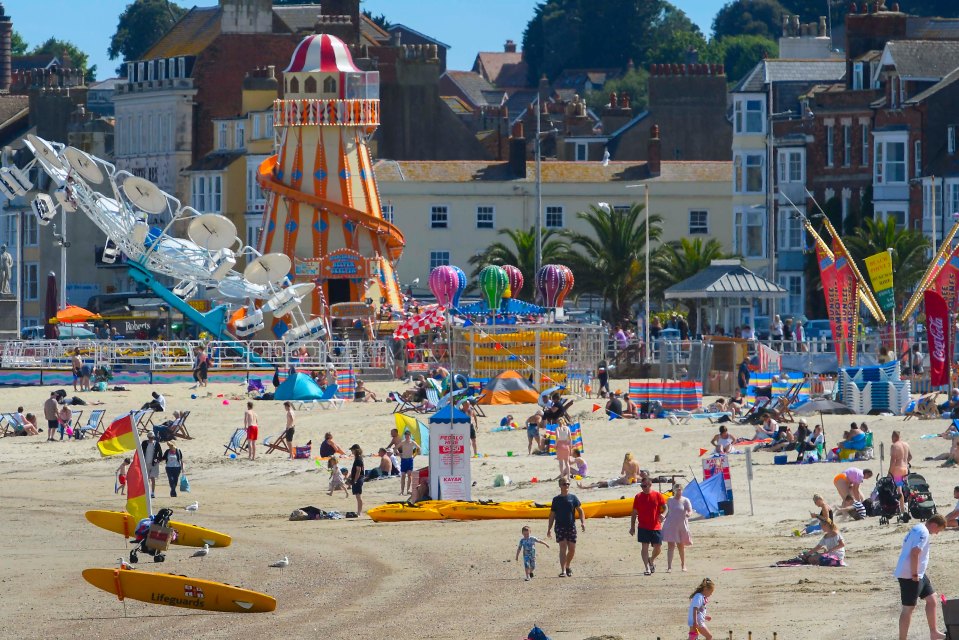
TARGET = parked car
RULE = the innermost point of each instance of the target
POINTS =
(817, 329)
(67, 332)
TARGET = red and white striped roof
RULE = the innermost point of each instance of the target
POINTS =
(323, 53)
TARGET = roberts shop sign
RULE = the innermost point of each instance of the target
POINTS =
(937, 328)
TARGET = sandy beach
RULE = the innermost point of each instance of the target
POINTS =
(360, 579)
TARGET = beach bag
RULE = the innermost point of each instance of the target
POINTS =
(100, 386)
(184, 484)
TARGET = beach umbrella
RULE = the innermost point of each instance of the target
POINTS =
(461, 287)
(515, 277)
(50, 331)
(493, 283)
(821, 406)
(72, 313)
(443, 283)
(422, 322)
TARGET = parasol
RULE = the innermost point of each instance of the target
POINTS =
(821, 406)
(432, 318)
(72, 314)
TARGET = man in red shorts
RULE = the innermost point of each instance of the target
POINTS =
(563, 513)
(649, 509)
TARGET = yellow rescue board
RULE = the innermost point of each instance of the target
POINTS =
(188, 535)
(178, 591)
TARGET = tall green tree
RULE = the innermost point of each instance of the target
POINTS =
(520, 252)
(567, 34)
(610, 260)
(749, 17)
(18, 44)
(739, 54)
(680, 259)
(909, 256)
(78, 58)
(141, 24)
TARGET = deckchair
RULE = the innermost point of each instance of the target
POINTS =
(923, 408)
(432, 401)
(450, 397)
(754, 411)
(145, 423)
(327, 400)
(477, 407)
(94, 425)
(237, 443)
(278, 443)
(75, 418)
(178, 428)
(402, 406)
(10, 424)
(780, 410)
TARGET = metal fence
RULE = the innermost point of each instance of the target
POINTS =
(360, 355)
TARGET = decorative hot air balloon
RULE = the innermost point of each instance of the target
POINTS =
(493, 282)
(568, 282)
(461, 286)
(444, 283)
(550, 280)
(515, 279)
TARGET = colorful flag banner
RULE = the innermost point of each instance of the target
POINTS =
(937, 328)
(119, 437)
(946, 282)
(769, 359)
(879, 267)
(847, 290)
(136, 490)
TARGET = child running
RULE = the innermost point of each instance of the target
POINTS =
(697, 610)
(122, 477)
(527, 544)
(337, 481)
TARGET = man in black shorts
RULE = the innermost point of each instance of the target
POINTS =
(649, 509)
(913, 581)
(563, 513)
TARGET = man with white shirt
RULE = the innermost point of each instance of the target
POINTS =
(952, 518)
(913, 581)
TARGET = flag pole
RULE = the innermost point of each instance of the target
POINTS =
(147, 493)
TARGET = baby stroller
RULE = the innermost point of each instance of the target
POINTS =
(153, 536)
(918, 497)
(886, 505)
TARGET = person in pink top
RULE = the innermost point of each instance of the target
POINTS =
(849, 481)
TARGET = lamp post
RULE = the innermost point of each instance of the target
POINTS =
(61, 240)
(895, 341)
(539, 190)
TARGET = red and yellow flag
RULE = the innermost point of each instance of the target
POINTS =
(119, 437)
(136, 490)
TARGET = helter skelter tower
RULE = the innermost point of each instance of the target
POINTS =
(323, 208)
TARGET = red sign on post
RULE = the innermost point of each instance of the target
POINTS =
(937, 328)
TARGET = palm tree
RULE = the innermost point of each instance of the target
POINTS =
(909, 259)
(611, 260)
(681, 259)
(522, 255)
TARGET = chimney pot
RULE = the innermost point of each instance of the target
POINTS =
(654, 151)
(509, 47)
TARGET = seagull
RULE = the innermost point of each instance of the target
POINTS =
(285, 562)
(193, 507)
(199, 553)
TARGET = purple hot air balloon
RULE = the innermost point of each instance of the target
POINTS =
(443, 284)
(550, 280)
(461, 275)
(515, 279)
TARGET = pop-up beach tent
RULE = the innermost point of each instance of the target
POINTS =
(509, 387)
(298, 387)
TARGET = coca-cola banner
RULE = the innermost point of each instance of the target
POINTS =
(937, 329)
(947, 281)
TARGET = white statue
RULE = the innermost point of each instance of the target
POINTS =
(6, 270)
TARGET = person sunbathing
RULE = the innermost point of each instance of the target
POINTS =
(629, 474)
(830, 551)
(785, 440)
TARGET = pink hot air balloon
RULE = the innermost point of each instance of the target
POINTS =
(515, 279)
(567, 284)
(549, 282)
(443, 283)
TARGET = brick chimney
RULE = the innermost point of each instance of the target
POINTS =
(654, 152)
(6, 42)
(509, 47)
(517, 152)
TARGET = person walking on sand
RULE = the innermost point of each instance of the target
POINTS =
(357, 475)
(563, 512)
(290, 427)
(649, 511)
(173, 459)
(900, 456)
(913, 581)
(564, 446)
(252, 425)
(527, 544)
(408, 448)
(676, 527)
(697, 618)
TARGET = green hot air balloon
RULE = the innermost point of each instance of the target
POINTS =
(493, 283)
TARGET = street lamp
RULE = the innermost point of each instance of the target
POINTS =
(64, 244)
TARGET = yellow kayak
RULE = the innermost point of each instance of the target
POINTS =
(405, 512)
(516, 510)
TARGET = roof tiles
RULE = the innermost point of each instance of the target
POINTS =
(553, 172)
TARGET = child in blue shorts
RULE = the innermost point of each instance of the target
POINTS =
(527, 544)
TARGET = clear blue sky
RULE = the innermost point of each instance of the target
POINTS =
(467, 26)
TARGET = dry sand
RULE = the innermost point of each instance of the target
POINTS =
(360, 579)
